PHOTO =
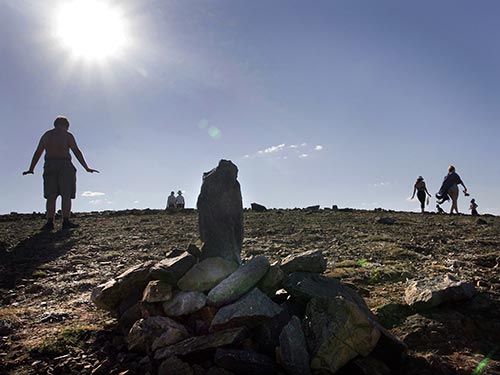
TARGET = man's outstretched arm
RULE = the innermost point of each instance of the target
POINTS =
(79, 154)
(36, 156)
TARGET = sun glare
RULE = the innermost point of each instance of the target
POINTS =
(91, 29)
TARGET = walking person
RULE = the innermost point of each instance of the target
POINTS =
(422, 192)
(59, 173)
(179, 200)
(449, 189)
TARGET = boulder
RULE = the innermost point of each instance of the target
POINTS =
(157, 291)
(245, 362)
(424, 294)
(174, 366)
(205, 275)
(272, 280)
(239, 282)
(155, 331)
(171, 270)
(201, 343)
(309, 261)
(183, 303)
(107, 296)
(220, 213)
(293, 348)
(337, 330)
(258, 207)
(249, 311)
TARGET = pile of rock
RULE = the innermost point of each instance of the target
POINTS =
(192, 315)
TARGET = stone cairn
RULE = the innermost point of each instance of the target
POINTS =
(203, 312)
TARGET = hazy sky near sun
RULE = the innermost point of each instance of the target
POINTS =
(328, 102)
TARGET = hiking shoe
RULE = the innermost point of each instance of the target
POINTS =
(48, 226)
(69, 225)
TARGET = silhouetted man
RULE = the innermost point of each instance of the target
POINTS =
(59, 174)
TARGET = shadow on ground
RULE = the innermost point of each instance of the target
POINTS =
(22, 260)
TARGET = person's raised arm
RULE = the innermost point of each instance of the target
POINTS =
(36, 156)
(78, 154)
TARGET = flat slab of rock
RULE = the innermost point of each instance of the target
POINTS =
(239, 282)
(304, 286)
(309, 261)
(220, 213)
(157, 291)
(249, 311)
(183, 303)
(245, 362)
(155, 332)
(171, 270)
(202, 343)
(337, 331)
(108, 296)
(293, 348)
(426, 294)
(205, 275)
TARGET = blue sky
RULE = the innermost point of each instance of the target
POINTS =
(325, 102)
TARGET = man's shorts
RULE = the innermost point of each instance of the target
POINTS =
(59, 178)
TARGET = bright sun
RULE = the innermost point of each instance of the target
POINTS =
(91, 29)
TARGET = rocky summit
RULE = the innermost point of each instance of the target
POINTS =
(49, 324)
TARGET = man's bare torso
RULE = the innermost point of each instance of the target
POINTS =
(57, 143)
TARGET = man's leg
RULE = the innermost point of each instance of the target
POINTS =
(51, 213)
(66, 212)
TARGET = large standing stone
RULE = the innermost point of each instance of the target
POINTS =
(220, 213)
(249, 311)
(146, 332)
(239, 282)
(293, 348)
(337, 331)
(184, 303)
(245, 362)
(171, 270)
(202, 343)
(206, 274)
(430, 293)
(309, 261)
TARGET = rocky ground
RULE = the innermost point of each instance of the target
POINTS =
(49, 326)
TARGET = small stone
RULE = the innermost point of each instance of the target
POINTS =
(258, 207)
(156, 331)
